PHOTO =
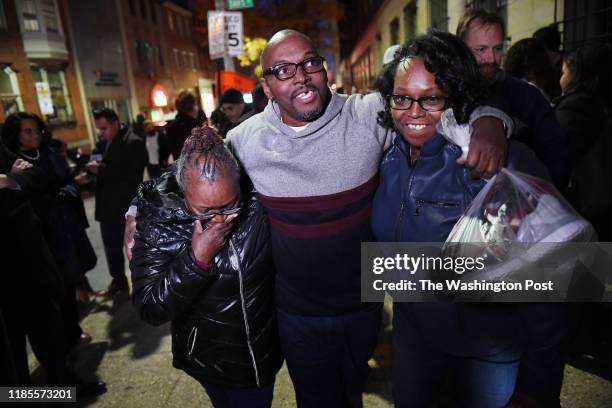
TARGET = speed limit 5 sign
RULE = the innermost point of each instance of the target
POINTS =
(233, 32)
(225, 33)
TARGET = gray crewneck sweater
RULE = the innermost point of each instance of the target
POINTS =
(337, 152)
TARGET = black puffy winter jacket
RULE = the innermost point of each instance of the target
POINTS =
(223, 321)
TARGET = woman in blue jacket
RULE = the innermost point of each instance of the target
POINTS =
(422, 194)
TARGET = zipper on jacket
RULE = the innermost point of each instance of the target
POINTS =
(399, 220)
(401, 214)
(193, 334)
(235, 262)
(445, 204)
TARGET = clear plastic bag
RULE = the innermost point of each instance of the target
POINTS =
(516, 218)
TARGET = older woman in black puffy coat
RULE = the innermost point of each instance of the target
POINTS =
(202, 259)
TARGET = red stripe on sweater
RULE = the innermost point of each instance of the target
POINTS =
(323, 202)
(322, 229)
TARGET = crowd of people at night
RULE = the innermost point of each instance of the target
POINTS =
(246, 231)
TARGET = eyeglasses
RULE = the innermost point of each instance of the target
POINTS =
(428, 103)
(286, 71)
(31, 131)
(209, 215)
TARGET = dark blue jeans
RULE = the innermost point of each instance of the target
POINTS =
(327, 356)
(224, 397)
(419, 372)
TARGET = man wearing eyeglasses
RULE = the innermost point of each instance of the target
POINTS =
(313, 157)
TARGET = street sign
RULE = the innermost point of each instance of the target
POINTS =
(239, 4)
(225, 33)
(216, 34)
(233, 31)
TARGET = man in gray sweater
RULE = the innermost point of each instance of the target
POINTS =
(313, 157)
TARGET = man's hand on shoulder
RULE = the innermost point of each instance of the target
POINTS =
(488, 147)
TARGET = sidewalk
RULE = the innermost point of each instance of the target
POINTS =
(135, 359)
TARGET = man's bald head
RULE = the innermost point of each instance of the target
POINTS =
(302, 95)
(279, 37)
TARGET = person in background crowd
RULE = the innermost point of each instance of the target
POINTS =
(233, 107)
(208, 268)
(232, 104)
(480, 344)
(155, 147)
(219, 121)
(585, 114)
(139, 125)
(189, 116)
(118, 174)
(483, 33)
(60, 209)
(550, 37)
(32, 288)
(527, 59)
(260, 100)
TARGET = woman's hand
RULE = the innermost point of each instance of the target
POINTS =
(488, 147)
(207, 242)
(19, 165)
(9, 183)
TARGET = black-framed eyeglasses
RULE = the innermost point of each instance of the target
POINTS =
(31, 131)
(209, 215)
(428, 103)
(286, 71)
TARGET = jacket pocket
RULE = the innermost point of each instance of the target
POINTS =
(422, 203)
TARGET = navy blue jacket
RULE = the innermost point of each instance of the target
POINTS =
(422, 203)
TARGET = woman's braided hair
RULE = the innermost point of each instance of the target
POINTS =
(205, 151)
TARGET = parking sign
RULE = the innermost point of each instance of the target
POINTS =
(233, 31)
(216, 34)
(225, 33)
